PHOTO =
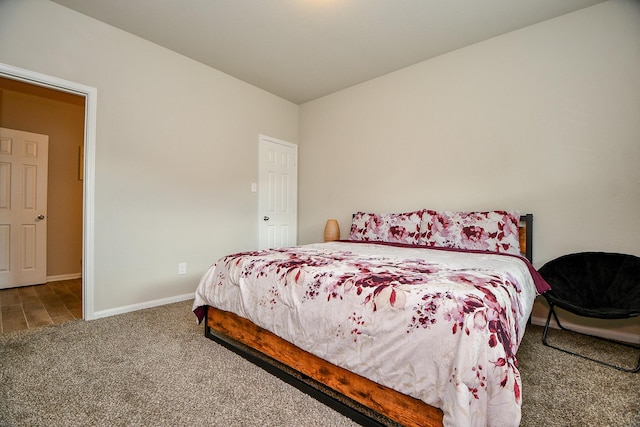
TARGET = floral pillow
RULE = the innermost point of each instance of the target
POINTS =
(495, 231)
(389, 227)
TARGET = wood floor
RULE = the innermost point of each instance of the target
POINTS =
(40, 305)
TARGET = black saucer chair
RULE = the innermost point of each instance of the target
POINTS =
(596, 285)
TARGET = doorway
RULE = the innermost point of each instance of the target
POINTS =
(84, 165)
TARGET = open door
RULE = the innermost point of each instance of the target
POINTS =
(23, 208)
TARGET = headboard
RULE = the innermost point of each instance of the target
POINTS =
(525, 230)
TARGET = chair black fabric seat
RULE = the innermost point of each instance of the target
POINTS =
(593, 284)
(598, 284)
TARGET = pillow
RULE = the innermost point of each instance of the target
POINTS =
(387, 227)
(495, 231)
(430, 225)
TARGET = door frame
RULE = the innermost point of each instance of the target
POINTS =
(90, 95)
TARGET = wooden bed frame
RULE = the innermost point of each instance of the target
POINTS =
(356, 397)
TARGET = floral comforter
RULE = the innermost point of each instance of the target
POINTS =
(442, 326)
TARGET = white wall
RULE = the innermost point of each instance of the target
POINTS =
(545, 120)
(176, 150)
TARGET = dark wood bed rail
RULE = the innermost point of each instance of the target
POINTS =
(362, 400)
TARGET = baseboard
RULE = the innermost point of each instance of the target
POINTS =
(141, 306)
(60, 277)
(605, 333)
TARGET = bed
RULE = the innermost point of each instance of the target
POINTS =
(414, 320)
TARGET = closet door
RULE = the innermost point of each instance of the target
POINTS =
(278, 197)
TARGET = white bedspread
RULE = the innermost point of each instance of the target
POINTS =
(441, 326)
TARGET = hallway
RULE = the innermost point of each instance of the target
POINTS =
(40, 305)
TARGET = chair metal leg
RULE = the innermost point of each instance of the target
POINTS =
(602, 362)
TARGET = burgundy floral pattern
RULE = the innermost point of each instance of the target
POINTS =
(388, 227)
(495, 231)
(439, 325)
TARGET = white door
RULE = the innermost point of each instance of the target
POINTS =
(23, 208)
(278, 193)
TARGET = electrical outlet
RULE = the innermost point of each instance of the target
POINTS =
(182, 268)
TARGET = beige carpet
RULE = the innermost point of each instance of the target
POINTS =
(133, 370)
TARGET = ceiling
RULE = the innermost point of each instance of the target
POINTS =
(304, 49)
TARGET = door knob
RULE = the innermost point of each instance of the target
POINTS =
(40, 217)
(266, 218)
